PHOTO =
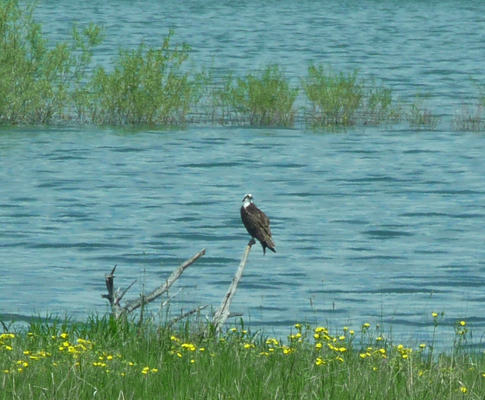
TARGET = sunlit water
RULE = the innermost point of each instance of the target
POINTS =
(379, 225)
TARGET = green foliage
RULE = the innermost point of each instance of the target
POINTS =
(111, 359)
(41, 83)
(264, 98)
(378, 106)
(35, 80)
(420, 116)
(334, 97)
(147, 86)
(338, 99)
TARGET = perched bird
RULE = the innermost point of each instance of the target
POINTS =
(257, 223)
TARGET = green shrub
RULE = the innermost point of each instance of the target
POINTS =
(146, 86)
(35, 80)
(341, 100)
(259, 99)
(334, 97)
(420, 116)
(378, 106)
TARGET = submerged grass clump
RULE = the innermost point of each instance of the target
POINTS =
(262, 98)
(111, 359)
(43, 83)
(38, 83)
(420, 116)
(146, 86)
(338, 99)
(334, 97)
(469, 119)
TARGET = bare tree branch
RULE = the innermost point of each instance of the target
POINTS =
(134, 304)
(222, 313)
(114, 299)
(185, 315)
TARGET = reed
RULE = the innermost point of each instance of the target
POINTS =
(112, 359)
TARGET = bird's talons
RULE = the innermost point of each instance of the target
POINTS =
(251, 242)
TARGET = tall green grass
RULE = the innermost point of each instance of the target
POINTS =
(103, 358)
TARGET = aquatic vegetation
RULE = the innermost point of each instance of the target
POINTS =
(45, 83)
(420, 116)
(469, 119)
(334, 97)
(146, 86)
(378, 105)
(262, 98)
(38, 80)
(338, 99)
(121, 359)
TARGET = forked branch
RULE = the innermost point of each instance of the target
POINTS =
(114, 298)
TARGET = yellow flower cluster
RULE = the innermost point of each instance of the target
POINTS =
(403, 351)
(5, 341)
(332, 347)
(179, 349)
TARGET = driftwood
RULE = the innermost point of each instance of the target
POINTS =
(222, 313)
(114, 298)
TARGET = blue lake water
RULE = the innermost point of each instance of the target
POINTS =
(381, 225)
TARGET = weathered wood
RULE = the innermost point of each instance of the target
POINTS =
(185, 315)
(222, 313)
(114, 299)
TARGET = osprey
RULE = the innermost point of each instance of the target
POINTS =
(256, 223)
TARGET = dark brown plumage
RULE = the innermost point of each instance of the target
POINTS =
(257, 223)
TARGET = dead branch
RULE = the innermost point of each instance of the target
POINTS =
(114, 300)
(185, 315)
(222, 313)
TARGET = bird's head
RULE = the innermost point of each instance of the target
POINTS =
(248, 199)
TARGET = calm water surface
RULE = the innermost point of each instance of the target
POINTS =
(375, 225)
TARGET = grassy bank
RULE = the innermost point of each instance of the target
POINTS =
(45, 83)
(104, 359)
